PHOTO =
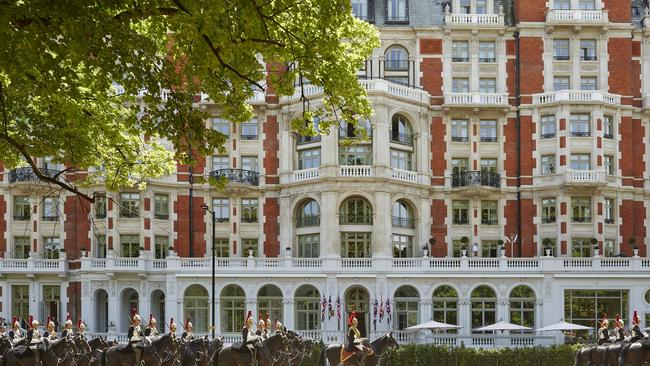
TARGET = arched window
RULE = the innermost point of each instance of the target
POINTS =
(356, 299)
(233, 306)
(356, 211)
(484, 305)
(402, 215)
(401, 131)
(101, 311)
(158, 308)
(407, 306)
(130, 300)
(402, 219)
(195, 306)
(445, 305)
(269, 301)
(308, 214)
(361, 131)
(396, 59)
(522, 306)
(308, 311)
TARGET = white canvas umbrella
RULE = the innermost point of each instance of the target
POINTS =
(502, 325)
(561, 326)
(433, 325)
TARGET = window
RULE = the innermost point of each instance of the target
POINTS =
(233, 306)
(549, 244)
(397, 11)
(100, 206)
(561, 49)
(401, 131)
(308, 214)
(608, 213)
(361, 131)
(221, 207)
(402, 246)
(586, 307)
(486, 52)
(400, 159)
(220, 162)
(481, 6)
(308, 159)
(305, 139)
(249, 129)
(249, 210)
(460, 51)
(609, 164)
(269, 301)
(580, 125)
(161, 243)
(360, 9)
(51, 247)
(129, 204)
(580, 162)
(195, 306)
(587, 5)
(161, 206)
(221, 125)
(50, 209)
(488, 131)
(20, 301)
(356, 211)
(100, 246)
(249, 163)
(522, 306)
(489, 213)
(608, 127)
(445, 305)
(609, 248)
(460, 210)
(52, 299)
(548, 126)
(588, 50)
(22, 208)
(457, 248)
(221, 247)
(490, 249)
(588, 83)
(489, 165)
(355, 155)
(562, 4)
(483, 305)
(459, 166)
(465, 7)
(548, 164)
(308, 308)
(561, 83)
(309, 246)
(396, 59)
(460, 85)
(581, 209)
(355, 245)
(21, 247)
(407, 303)
(548, 210)
(581, 248)
(459, 131)
(402, 216)
(487, 85)
(130, 246)
(249, 246)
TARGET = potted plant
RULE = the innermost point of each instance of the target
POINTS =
(425, 251)
(250, 252)
(288, 251)
(548, 246)
(502, 249)
(463, 247)
(594, 243)
(635, 248)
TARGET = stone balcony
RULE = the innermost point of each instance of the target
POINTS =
(33, 266)
(470, 21)
(577, 97)
(577, 17)
(476, 99)
(355, 171)
(588, 178)
(242, 176)
(476, 183)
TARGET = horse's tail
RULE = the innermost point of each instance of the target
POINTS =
(322, 357)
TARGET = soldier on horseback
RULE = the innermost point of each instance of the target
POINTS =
(187, 334)
(81, 328)
(619, 328)
(636, 332)
(67, 328)
(279, 328)
(172, 328)
(35, 339)
(152, 329)
(249, 339)
(260, 327)
(50, 334)
(267, 327)
(603, 331)
(135, 337)
(16, 331)
(354, 342)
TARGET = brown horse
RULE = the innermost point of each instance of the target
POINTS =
(25, 356)
(5, 346)
(152, 355)
(238, 354)
(381, 348)
(195, 352)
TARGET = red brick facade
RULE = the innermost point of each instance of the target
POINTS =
(438, 161)
(271, 149)
(432, 78)
(76, 226)
(439, 228)
(271, 227)
(182, 226)
(530, 10)
(3, 226)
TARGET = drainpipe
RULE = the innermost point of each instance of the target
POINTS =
(518, 127)
(191, 236)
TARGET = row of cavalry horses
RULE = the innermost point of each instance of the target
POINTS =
(281, 349)
(615, 353)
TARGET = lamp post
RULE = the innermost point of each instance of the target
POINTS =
(206, 208)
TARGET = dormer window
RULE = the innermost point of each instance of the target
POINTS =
(481, 6)
(587, 5)
(397, 11)
(465, 7)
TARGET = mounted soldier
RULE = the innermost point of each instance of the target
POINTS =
(619, 328)
(354, 342)
(16, 331)
(152, 329)
(279, 328)
(267, 327)
(172, 328)
(187, 334)
(67, 328)
(135, 336)
(260, 327)
(603, 331)
(50, 334)
(635, 332)
(249, 339)
(35, 338)
(81, 328)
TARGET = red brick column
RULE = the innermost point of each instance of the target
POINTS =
(439, 228)
(271, 227)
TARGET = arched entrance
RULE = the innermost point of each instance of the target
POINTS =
(101, 311)
(357, 300)
(269, 301)
(158, 308)
(130, 300)
(196, 307)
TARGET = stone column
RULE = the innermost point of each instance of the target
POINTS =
(329, 236)
(464, 318)
(289, 321)
(87, 307)
(382, 225)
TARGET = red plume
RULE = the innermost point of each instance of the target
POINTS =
(352, 316)
(259, 317)
(68, 317)
(49, 318)
(250, 315)
(187, 322)
(133, 312)
(31, 320)
(150, 317)
(79, 323)
(171, 322)
(14, 321)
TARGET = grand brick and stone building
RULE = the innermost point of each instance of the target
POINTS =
(496, 122)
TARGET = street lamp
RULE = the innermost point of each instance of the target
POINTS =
(206, 208)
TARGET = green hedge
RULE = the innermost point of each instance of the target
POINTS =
(427, 355)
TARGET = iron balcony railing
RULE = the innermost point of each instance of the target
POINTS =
(549, 135)
(401, 138)
(26, 174)
(476, 178)
(396, 64)
(238, 176)
(309, 220)
(403, 222)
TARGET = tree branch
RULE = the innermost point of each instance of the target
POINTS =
(217, 54)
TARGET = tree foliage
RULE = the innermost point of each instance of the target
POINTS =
(61, 60)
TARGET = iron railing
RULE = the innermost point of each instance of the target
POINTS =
(403, 222)
(26, 174)
(309, 220)
(402, 138)
(476, 178)
(237, 176)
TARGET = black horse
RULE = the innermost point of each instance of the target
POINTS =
(151, 355)
(213, 349)
(381, 348)
(195, 352)
(238, 355)
(635, 354)
(54, 354)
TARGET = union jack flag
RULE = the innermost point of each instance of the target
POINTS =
(330, 308)
(381, 309)
(375, 305)
(338, 306)
(388, 313)
(324, 305)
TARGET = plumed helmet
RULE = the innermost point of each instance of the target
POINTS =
(152, 320)
(619, 322)
(172, 325)
(50, 323)
(68, 320)
(35, 324)
(31, 320)
(81, 326)
(188, 325)
(278, 325)
(353, 316)
(604, 322)
(635, 318)
(268, 321)
(249, 318)
(15, 323)
(137, 317)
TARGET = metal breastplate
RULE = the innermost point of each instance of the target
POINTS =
(136, 333)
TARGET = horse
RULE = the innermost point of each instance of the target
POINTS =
(381, 348)
(213, 350)
(635, 354)
(238, 355)
(5, 345)
(195, 352)
(54, 353)
(123, 355)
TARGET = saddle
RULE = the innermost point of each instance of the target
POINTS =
(247, 347)
(24, 351)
